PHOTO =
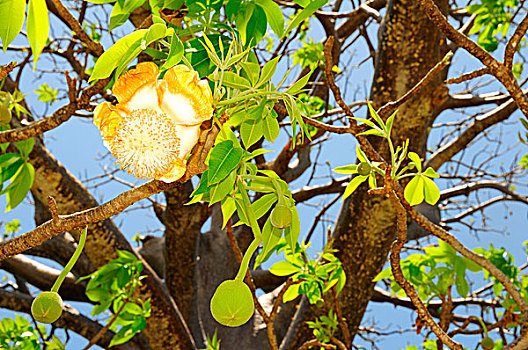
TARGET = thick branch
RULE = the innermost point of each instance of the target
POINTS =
(43, 277)
(514, 41)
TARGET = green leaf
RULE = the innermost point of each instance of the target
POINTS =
(376, 116)
(416, 160)
(11, 20)
(429, 172)
(346, 169)
(37, 27)
(251, 131)
(373, 132)
(274, 15)
(432, 193)
(414, 191)
(270, 237)
(462, 286)
(228, 209)
(387, 273)
(175, 53)
(309, 10)
(284, 268)
(389, 123)
(25, 146)
(291, 293)
(21, 183)
(292, 232)
(251, 70)
(361, 156)
(223, 188)
(252, 26)
(110, 59)
(270, 128)
(120, 13)
(235, 81)
(223, 160)
(299, 84)
(197, 55)
(203, 186)
(262, 205)
(9, 164)
(155, 32)
(351, 187)
(268, 70)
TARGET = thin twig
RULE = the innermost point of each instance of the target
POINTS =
(468, 76)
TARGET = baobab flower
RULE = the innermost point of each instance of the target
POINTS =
(155, 123)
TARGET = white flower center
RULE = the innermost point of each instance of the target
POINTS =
(145, 144)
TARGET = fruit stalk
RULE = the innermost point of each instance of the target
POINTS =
(71, 263)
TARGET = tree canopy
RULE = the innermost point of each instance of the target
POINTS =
(266, 170)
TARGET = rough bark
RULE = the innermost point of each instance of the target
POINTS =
(182, 226)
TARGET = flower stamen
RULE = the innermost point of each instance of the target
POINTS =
(145, 144)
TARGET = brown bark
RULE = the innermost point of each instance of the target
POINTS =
(182, 226)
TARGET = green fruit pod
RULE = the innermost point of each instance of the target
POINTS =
(5, 115)
(47, 307)
(364, 169)
(232, 303)
(487, 343)
(281, 216)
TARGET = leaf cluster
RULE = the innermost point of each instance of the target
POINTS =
(419, 188)
(493, 17)
(324, 327)
(315, 277)
(113, 285)
(433, 273)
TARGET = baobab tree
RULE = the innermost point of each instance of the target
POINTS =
(419, 97)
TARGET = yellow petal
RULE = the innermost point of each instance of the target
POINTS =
(175, 173)
(188, 138)
(106, 118)
(130, 82)
(184, 97)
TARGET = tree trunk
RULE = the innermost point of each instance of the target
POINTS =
(410, 46)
